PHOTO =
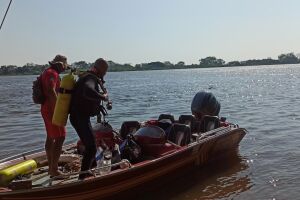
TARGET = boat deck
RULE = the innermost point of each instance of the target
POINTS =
(203, 147)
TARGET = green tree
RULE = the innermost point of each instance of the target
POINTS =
(211, 61)
(233, 63)
(81, 65)
(288, 58)
(180, 63)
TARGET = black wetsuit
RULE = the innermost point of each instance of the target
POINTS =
(85, 103)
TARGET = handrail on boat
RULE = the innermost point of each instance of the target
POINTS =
(214, 131)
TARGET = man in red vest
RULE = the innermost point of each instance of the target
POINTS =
(55, 134)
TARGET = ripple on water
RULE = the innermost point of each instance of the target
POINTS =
(262, 99)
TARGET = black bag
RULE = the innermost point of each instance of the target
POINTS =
(38, 96)
(130, 150)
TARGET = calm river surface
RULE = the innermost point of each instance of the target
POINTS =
(263, 99)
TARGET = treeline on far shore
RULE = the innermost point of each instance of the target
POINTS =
(211, 61)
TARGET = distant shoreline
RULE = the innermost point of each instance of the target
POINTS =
(4, 75)
(208, 62)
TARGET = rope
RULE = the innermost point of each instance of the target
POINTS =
(5, 14)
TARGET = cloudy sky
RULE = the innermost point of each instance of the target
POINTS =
(136, 31)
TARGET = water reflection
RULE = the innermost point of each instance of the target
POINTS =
(263, 99)
(224, 178)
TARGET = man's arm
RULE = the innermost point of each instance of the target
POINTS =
(51, 94)
(90, 93)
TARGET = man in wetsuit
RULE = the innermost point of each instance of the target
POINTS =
(55, 134)
(85, 103)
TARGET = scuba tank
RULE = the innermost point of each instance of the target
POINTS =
(63, 101)
(8, 174)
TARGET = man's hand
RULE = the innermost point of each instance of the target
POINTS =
(105, 95)
(109, 105)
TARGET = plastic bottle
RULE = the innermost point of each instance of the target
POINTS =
(99, 157)
(106, 162)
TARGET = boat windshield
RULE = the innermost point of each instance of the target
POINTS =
(151, 131)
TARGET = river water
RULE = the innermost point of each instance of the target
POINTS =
(262, 99)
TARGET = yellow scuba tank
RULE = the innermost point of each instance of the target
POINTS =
(63, 101)
(8, 174)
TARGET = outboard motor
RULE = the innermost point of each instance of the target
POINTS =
(205, 103)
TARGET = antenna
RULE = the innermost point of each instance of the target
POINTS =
(5, 15)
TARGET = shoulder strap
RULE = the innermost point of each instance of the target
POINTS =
(99, 80)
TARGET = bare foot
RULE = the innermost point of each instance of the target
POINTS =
(56, 173)
(59, 176)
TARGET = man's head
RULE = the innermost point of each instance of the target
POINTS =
(60, 62)
(100, 67)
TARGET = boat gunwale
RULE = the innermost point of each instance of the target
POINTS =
(119, 172)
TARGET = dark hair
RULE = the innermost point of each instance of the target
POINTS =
(100, 62)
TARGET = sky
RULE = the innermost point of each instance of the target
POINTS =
(140, 31)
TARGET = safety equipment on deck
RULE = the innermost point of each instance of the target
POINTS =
(8, 174)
